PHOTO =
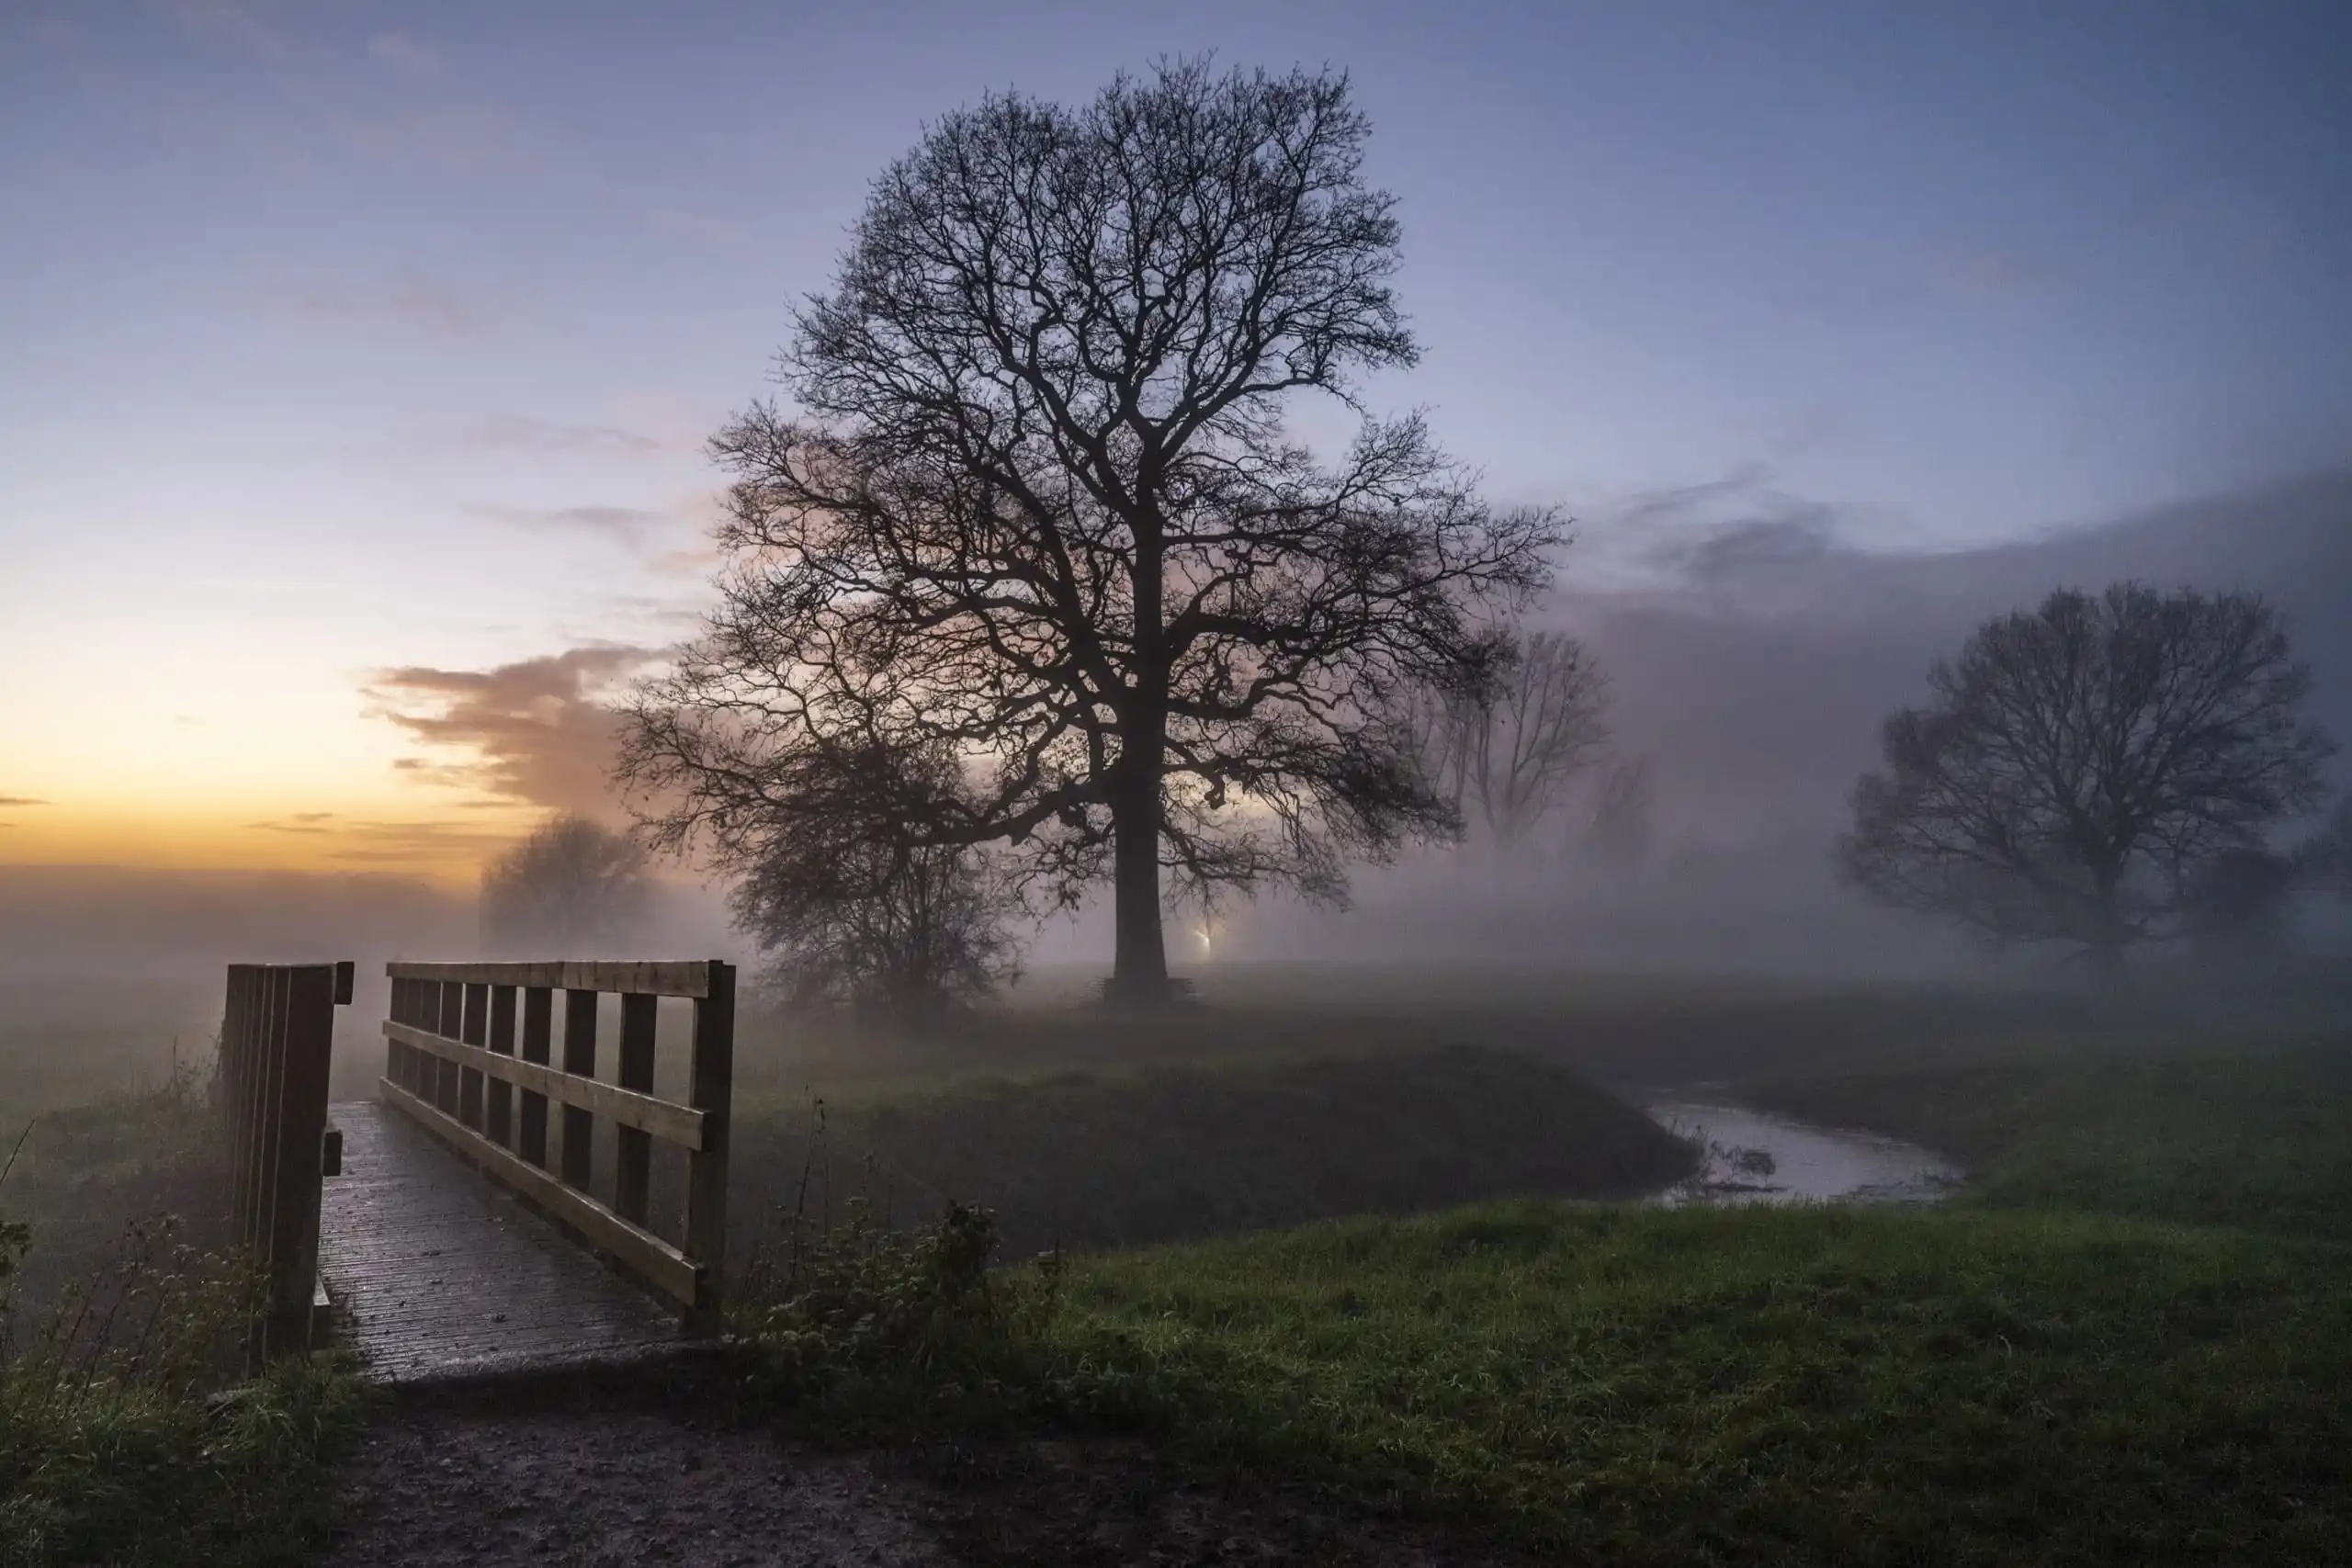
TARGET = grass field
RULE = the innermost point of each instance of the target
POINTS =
(2121, 1344)
(1090, 1161)
(1799, 1387)
(2126, 1340)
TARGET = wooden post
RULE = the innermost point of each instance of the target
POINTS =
(538, 1028)
(633, 1169)
(476, 1032)
(238, 1018)
(579, 1056)
(402, 1011)
(451, 1026)
(261, 1096)
(499, 1122)
(277, 1042)
(299, 1126)
(710, 1091)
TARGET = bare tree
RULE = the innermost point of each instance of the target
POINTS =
(2079, 765)
(571, 889)
(1508, 751)
(1039, 507)
(1618, 829)
(834, 881)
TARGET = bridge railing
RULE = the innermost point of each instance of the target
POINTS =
(277, 1038)
(471, 1054)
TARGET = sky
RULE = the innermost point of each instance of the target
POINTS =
(355, 359)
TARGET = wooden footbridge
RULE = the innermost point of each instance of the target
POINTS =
(495, 1208)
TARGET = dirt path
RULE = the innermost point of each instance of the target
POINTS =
(484, 1483)
(462, 1487)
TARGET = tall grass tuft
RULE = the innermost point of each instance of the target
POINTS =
(125, 1436)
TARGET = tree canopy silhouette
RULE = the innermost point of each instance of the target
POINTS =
(2083, 767)
(575, 888)
(1037, 504)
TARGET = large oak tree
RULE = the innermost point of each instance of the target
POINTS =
(1035, 500)
(2081, 768)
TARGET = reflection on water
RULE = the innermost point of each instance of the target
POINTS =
(1754, 1156)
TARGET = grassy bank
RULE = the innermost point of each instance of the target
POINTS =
(1091, 1161)
(2251, 1133)
(1811, 1386)
(2128, 1341)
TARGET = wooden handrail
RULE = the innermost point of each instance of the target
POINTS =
(667, 978)
(456, 1061)
(665, 1119)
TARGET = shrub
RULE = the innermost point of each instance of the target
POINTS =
(860, 1314)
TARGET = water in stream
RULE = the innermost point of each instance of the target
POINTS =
(1754, 1156)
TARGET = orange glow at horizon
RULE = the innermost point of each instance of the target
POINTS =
(445, 847)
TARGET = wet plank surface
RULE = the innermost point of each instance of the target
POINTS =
(439, 1273)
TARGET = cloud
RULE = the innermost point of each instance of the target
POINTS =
(1754, 664)
(404, 54)
(628, 525)
(536, 731)
(20, 800)
(400, 843)
(538, 437)
(421, 299)
(298, 822)
(1740, 532)
(1761, 543)
(416, 299)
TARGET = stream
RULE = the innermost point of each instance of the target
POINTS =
(1754, 1157)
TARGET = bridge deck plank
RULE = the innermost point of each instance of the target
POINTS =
(438, 1273)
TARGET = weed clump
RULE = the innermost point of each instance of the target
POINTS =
(858, 1316)
(124, 1436)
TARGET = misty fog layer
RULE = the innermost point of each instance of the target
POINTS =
(1750, 659)
(1751, 673)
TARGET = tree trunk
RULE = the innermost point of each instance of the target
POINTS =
(1139, 972)
(2107, 945)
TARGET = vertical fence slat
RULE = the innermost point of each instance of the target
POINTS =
(498, 1118)
(710, 1090)
(474, 1030)
(633, 1166)
(236, 1014)
(450, 1024)
(579, 1056)
(538, 1030)
(269, 1069)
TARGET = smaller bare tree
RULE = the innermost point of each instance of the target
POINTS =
(572, 887)
(1618, 829)
(1503, 753)
(906, 931)
(2324, 861)
(2081, 768)
(827, 837)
